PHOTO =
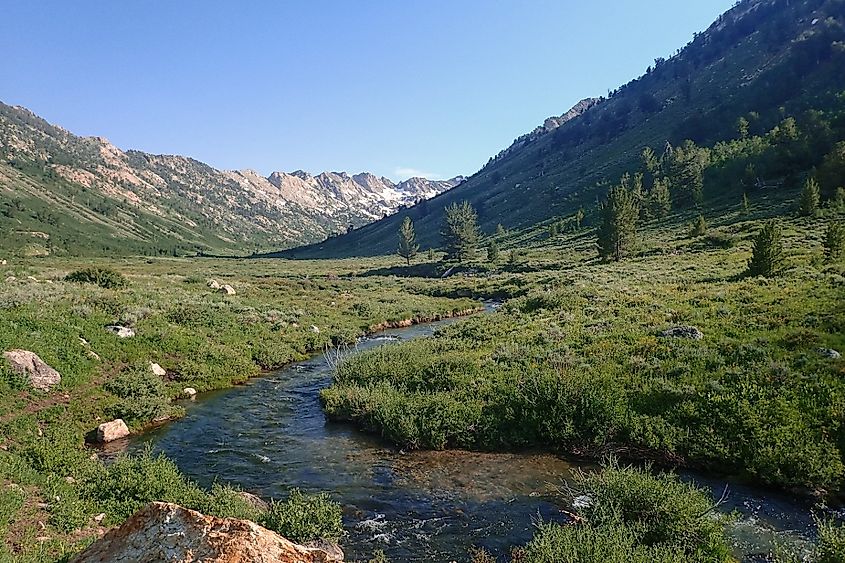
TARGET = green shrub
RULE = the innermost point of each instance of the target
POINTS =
(131, 482)
(302, 517)
(143, 396)
(635, 515)
(103, 277)
(831, 546)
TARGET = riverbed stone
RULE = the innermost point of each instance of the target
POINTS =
(689, 332)
(168, 532)
(110, 431)
(40, 375)
(254, 501)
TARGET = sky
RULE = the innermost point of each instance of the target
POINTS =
(395, 87)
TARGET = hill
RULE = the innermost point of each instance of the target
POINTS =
(82, 195)
(762, 61)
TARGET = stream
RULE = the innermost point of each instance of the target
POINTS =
(271, 435)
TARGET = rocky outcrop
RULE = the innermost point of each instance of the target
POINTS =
(689, 332)
(111, 431)
(170, 533)
(41, 376)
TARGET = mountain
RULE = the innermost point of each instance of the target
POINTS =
(762, 60)
(62, 193)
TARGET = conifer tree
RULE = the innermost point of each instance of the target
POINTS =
(660, 200)
(834, 241)
(745, 205)
(699, 227)
(618, 229)
(492, 251)
(579, 218)
(838, 202)
(500, 229)
(767, 257)
(810, 196)
(408, 246)
(460, 231)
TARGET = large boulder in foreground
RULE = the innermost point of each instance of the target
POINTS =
(170, 533)
(41, 376)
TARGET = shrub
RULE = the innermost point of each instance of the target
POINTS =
(103, 277)
(143, 396)
(634, 515)
(698, 228)
(302, 517)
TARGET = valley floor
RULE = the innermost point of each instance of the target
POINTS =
(575, 362)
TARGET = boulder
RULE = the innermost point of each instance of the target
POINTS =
(41, 376)
(690, 332)
(114, 430)
(829, 353)
(213, 284)
(315, 329)
(227, 289)
(168, 532)
(121, 331)
(255, 501)
(157, 369)
(189, 392)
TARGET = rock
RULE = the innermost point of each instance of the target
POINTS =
(213, 284)
(157, 369)
(315, 329)
(829, 353)
(10, 279)
(168, 532)
(690, 332)
(114, 430)
(121, 331)
(2, 262)
(256, 502)
(189, 392)
(227, 289)
(332, 549)
(100, 517)
(41, 376)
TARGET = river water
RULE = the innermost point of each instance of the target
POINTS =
(271, 435)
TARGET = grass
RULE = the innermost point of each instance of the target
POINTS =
(282, 312)
(576, 363)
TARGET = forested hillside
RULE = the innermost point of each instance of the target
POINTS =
(765, 80)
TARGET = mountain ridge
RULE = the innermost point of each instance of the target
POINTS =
(215, 210)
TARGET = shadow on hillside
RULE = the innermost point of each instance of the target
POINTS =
(423, 270)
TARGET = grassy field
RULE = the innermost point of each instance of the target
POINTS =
(281, 312)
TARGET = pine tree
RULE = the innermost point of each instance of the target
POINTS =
(834, 241)
(500, 230)
(659, 198)
(460, 231)
(408, 246)
(767, 258)
(745, 205)
(618, 229)
(699, 228)
(810, 196)
(431, 255)
(838, 202)
(492, 251)
(579, 218)
(553, 230)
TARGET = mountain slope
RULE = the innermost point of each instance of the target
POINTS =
(64, 193)
(764, 58)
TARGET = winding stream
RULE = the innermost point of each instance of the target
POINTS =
(271, 435)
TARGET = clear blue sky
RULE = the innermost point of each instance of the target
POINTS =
(385, 86)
